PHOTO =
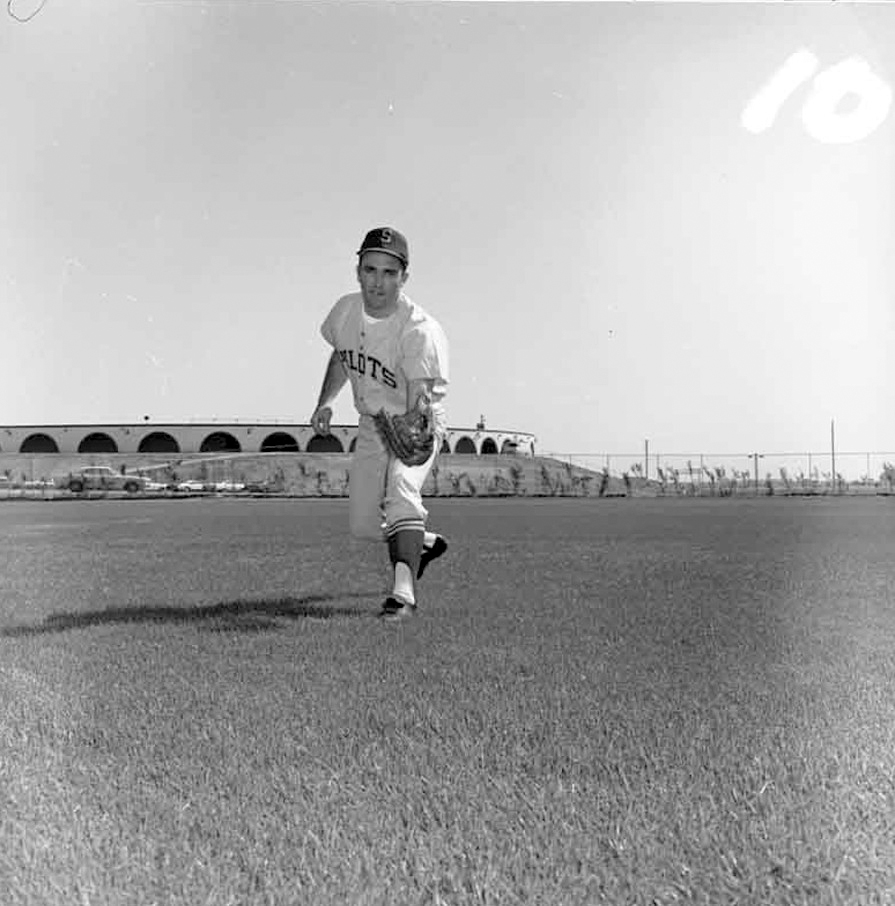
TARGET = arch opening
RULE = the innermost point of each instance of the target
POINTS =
(97, 442)
(320, 444)
(158, 442)
(39, 443)
(220, 442)
(279, 442)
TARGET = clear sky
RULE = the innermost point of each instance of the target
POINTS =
(612, 254)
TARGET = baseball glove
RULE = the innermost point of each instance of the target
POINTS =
(408, 436)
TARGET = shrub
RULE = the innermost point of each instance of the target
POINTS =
(784, 477)
(888, 475)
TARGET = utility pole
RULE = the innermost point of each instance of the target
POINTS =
(833, 451)
(756, 457)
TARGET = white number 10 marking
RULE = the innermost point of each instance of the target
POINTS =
(819, 115)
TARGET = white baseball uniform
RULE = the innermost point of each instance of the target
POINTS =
(380, 357)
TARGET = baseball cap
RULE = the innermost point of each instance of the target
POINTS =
(388, 240)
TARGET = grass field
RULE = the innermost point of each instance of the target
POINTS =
(602, 701)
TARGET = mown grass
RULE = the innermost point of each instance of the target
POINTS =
(612, 701)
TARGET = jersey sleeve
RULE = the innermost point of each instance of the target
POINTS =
(425, 353)
(329, 329)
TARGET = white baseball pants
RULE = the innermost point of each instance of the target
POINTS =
(385, 495)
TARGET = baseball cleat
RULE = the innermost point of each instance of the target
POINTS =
(395, 611)
(431, 553)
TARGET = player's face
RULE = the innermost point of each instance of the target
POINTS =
(381, 278)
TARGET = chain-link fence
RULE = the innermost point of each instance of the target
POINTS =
(808, 472)
(556, 474)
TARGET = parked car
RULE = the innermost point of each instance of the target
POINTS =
(104, 478)
(192, 486)
(229, 486)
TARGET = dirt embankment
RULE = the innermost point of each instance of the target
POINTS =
(327, 474)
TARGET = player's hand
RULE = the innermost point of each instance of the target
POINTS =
(320, 420)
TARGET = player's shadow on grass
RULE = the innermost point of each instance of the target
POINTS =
(241, 615)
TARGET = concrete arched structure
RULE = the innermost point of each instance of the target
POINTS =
(229, 437)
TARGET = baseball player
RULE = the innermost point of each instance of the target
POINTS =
(395, 356)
